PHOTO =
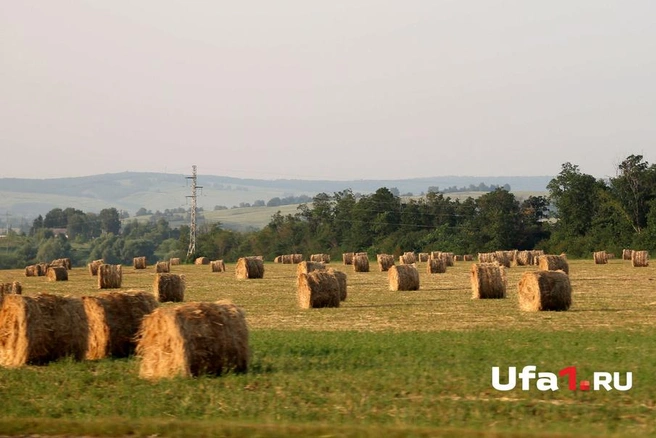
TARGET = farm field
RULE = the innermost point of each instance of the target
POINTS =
(383, 364)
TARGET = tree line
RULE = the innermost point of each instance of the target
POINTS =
(581, 214)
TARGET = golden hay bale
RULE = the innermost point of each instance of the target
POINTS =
(385, 261)
(487, 257)
(57, 273)
(552, 262)
(536, 256)
(110, 276)
(422, 257)
(287, 259)
(467, 258)
(277, 259)
(32, 271)
(502, 258)
(408, 258)
(458, 258)
(640, 259)
(93, 267)
(249, 267)
(193, 339)
(175, 261)
(306, 267)
(600, 257)
(40, 329)
(114, 319)
(544, 290)
(435, 254)
(436, 266)
(139, 263)
(163, 267)
(360, 263)
(341, 281)
(202, 261)
(403, 277)
(169, 287)
(488, 281)
(324, 258)
(448, 256)
(14, 288)
(217, 266)
(610, 256)
(318, 289)
(64, 263)
(297, 258)
(347, 258)
(627, 254)
(524, 258)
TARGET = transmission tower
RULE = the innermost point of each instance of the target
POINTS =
(192, 228)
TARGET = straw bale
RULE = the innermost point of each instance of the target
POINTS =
(169, 287)
(93, 267)
(324, 258)
(436, 266)
(341, 281)
(110, 276)
(536, 256)
(32, 271)
(249, 267)
(277, 259)
(163, 267)
(297, 258)
(175, 261)
(114, 319)
(502, 258)
(202, 261)
(408, 258)
(488, 281)
(610, 255)
(487, 257)
(552, 262)
(318, 289)
(467, 258)
(37, 330)
(385, 261)
(306, 267)
(57, 273)
(193, 339)
(448, 258)
(14, 288)
(347, 258)
(422, 257)
(640, 259)
(524, 258)
(403, 277)
(544, 290)
(360, 263)
(63, 262)
(627, 254)
(139, 262)
(600, 257)
(435, 254)
(217, 266)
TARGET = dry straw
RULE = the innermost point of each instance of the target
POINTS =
(306, 267)
(544, 290)
(169, 287)
(488, 281)
(249, 267)
(277, 259)
(32, 271)
(403, 277)
(193, 339)
(14, 288)
(110, 276)
(57, 273)
(552, 262)
(640, 259)
(163, 267)
(600, 257)
(93, 267)
(627, 254)
(524, 258)
(297, 258)
(341, 281)
(202, 261)
(436, 266)
(361, 263)
(175, 261)
(318, 289)
(217, 266)
(347, 258)
(64, 263)
(385, 261)
(40, 329)
(323, 258)
(422, 257)
(114, 319)
(139, 263)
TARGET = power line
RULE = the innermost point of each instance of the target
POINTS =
(192, 229)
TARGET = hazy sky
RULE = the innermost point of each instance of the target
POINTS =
(349, 89)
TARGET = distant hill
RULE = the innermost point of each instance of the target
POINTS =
(130, 191)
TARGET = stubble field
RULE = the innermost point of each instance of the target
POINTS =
(384, 363)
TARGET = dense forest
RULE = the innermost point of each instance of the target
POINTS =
(580, 215)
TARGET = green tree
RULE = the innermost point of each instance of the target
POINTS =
(109, 220)
(635, 188)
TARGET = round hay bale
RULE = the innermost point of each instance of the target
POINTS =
(318, 289)
(110, 276)
(627, 254)
(467, 258)
(139, 263)
(502, 258)
(403, 278)
(422, 257)
(202, 261)
(64, 263)
(307, 267)
(175, 261)
(249, 267)
(32, 271)
(323, 258)
(169, 287)
(544, 290)
(347, 258)
(488, 281)
(297, 258)
(600, 257)
(436, 266)
(385, 261)
(552, 262)
(57, 273)
(640, 259)
(360, 263)
(407, 258)
(14, 288)
(277, 259)
(40, 329)
(193, 339)
(114, 319)
(524, 258)
(162, 267)
(448, 258)
(341, 280)
(93, 267)
(217, 266)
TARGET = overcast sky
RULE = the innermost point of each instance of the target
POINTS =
(325, 89)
